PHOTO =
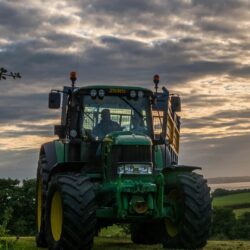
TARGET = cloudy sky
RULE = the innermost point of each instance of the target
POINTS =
(200, 48)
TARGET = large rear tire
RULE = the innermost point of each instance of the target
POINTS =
(70, 212)
(192, 197)
(41, 183)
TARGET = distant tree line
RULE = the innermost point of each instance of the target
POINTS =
(17, 213)
(222, 192)
(225, 225)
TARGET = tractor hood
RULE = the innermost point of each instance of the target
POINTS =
(127, 138)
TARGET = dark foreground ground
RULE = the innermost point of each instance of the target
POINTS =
(117, 243)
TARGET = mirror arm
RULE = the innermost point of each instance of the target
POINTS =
(59, 91)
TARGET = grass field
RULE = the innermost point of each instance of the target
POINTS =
(124, 243)
(240, 211)
(115, 239)
(231, 200)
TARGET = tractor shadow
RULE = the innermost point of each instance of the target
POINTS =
(107, 243)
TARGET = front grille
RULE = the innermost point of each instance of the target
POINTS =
(130, 154)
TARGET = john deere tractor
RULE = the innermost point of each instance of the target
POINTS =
(116, 161)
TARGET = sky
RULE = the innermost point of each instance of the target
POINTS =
(200, 49)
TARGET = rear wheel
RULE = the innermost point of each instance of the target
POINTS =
(42, 179)
(70, 213)
(192, 201)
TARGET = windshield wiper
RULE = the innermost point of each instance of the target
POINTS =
(131, 106)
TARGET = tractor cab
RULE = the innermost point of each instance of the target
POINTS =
(91, 113)
(109, 109)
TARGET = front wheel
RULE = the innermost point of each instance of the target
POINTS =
(70, 213)
(191, 198)
(41, 183)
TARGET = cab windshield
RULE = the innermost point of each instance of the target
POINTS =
(114, 113)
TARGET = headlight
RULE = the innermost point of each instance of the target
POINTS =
(93, 92)
(128, 169)
(140, 94)
(144, 169)
(132, 94)
(134, 169)
(101, 93)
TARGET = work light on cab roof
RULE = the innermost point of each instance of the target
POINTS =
(73, 78)
(156, 80)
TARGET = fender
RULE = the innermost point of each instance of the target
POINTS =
(65, 167)
(55, 156)
(171, 173)
(162, 156)
(49, 150)
(54, 152)
(180, 168)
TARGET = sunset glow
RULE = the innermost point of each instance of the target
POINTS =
(199, 48)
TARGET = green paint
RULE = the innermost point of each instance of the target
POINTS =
(160, 196)
(159, 163)
(59, 151)
(150, 201)
(128, 138)
(131, 189)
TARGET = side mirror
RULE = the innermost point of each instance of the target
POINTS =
(54, 100)
(176, 103)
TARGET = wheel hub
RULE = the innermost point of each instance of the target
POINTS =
(39, 204)
(56, 216)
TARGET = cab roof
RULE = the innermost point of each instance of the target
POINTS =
(113, 87)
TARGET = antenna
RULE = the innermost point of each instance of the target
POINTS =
(4, 73)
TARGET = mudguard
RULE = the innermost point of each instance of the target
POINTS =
(49, 150)
(54, 152)
(171, 173)
(180, 168)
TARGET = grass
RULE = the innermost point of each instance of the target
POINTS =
(23, 243)
(115, 239)
(238, 212)
(124, 243)
(232, 200)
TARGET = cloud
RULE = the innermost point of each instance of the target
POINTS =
(19, 164)
(200, 49)
(218, 157)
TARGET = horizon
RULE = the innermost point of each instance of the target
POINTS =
(198, 51)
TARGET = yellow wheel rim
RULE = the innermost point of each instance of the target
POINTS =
(39, 204)
(172, 228)
(56, 216)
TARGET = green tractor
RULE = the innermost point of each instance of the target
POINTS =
(116, 161)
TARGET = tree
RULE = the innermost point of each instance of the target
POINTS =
(223, 226)
(20, 199)
(4, 73)
(242, 227)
